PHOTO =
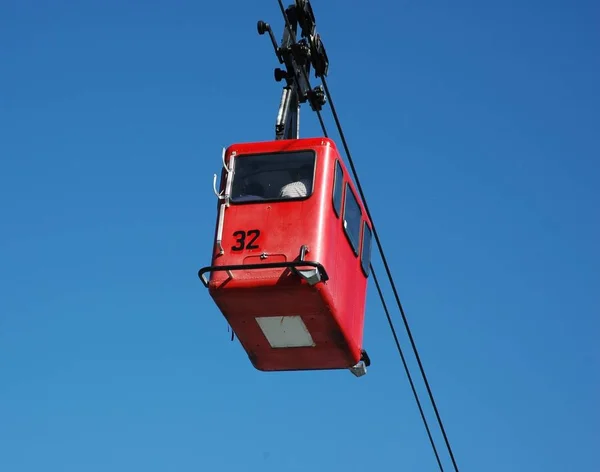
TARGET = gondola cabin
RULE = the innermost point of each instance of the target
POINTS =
(291, 256)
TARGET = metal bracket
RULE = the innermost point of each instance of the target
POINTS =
(294, 266)
(360, 368)
(223, 197)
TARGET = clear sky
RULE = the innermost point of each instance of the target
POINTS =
(474, 127)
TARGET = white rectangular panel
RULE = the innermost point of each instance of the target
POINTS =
(285, 331)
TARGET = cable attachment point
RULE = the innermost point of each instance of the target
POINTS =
(301, 53)
(298, 57)
(306, 17)
(306, 20)
(316, 98)
(319, 58)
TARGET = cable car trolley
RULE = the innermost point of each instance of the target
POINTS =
(292, 247)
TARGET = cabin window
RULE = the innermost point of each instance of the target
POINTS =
(338, 187)
(365, 257)
(352, 219)
(273, 177)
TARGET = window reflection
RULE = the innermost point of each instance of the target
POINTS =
(278, 176)
(352, 218)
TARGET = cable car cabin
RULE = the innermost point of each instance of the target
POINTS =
(292, 255)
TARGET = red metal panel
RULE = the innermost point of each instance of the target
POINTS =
(332, 311)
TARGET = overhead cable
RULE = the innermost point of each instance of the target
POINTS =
(384, 259)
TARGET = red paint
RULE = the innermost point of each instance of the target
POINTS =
(333, 311)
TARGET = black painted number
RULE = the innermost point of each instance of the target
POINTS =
(241, 236)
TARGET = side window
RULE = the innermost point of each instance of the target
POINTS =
(338, 187)
(352, 219)
(365, 257)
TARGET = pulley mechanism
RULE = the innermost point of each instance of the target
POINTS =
(297, 57)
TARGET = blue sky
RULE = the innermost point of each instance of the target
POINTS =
(474, 129)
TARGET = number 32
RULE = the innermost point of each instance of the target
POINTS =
(251, 234)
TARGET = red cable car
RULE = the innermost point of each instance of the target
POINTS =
(292, 253)
(293, 241)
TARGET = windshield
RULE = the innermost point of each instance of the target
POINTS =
(277, 176)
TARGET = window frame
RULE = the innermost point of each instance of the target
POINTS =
(349, 191)
(283, 155)
(365, 227)
(338, 177)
